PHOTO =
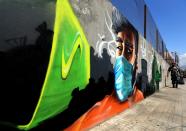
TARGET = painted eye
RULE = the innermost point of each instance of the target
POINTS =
(128, 51)
(120, 47)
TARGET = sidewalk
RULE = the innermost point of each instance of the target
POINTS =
(162, 111)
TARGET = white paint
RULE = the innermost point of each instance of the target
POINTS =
(143, 49)
(102, 43)
(86, 11)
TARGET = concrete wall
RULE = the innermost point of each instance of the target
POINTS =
(147, 52)
(81, 70)
(96, 20)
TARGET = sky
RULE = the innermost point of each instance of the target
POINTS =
(170, 18)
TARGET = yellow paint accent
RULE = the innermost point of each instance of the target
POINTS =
(63, 9)
(66, 66)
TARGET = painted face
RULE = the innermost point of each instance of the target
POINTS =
(126, 45)
(123, 69)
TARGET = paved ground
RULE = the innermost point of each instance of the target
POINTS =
(162, 111)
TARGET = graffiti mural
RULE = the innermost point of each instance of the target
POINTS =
(68, 56)
(126, 55)
(92, 66)
(125, 92)
(103, 43)
(156, 75)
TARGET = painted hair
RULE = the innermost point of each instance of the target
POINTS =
(119, 21)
